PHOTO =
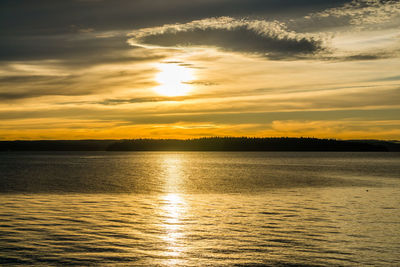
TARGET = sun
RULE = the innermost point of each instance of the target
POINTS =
(173, 80)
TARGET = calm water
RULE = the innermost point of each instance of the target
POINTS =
(200, 208)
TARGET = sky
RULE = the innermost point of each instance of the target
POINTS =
(122, 69)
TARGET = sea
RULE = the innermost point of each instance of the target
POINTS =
(199, 208)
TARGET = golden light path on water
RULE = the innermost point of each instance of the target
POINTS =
(173, 79)
(173, 209)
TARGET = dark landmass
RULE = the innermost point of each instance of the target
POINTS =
(203, 144)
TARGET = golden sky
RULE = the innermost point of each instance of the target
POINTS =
(144, 69)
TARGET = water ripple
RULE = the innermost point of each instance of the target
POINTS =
(198, 223)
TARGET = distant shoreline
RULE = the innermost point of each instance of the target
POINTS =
(203, 144)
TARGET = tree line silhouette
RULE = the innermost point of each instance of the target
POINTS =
(203, 144)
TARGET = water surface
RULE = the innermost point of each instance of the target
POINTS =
(200, 208)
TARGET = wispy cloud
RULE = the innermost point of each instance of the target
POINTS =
(360, 29)
(364, 13)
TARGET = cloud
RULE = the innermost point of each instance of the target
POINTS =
(390, 78)
(363, 56)
(138, 100)
(361, 30)
(366, 56)
(72, 46)
(18, 87)
(22, 81)
(364, 13)
(267, 38)
(29, 17)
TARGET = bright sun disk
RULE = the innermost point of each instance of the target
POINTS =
(174, 80)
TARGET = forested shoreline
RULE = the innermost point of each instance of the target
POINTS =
(203, 144)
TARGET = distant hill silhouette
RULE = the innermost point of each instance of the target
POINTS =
(203, 144)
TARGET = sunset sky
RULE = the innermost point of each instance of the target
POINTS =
(112, 69)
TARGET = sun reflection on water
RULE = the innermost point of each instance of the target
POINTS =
(173, 166)
(173, 209)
